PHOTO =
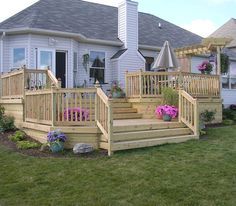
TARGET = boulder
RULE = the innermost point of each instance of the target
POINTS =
(82, 148)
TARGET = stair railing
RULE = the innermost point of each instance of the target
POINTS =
(188, 111)
(104, 116)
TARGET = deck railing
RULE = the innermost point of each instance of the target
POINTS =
(188, 111)
(104, 117)
(60, 107)
(151, 84)
(14, 83)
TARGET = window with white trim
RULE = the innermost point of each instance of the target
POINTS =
(229, 80)
(97, 66)
(19, 57)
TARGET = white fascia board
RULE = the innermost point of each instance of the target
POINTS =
(76, 36)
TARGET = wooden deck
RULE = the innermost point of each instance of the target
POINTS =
(87, 115)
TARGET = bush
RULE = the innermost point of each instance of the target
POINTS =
(27, 145)
(7, 123)
(229, 114)
(170, 97)
(228, 122)
(207, 116)
(18, 136)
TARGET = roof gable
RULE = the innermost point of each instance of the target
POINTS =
(227, 30)
(96, 21)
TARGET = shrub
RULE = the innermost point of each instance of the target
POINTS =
(170, 97)
(207, 116)
(229, 114)
(27, 145)
(7, 123)
(17, 136)
(228, 122)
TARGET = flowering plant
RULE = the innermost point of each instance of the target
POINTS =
(116, 90)
(56, 136)
(166, 110)
(115, 87)
(73, 114)
(205, 67)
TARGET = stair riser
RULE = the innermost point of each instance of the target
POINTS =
(151, 142)
(150, 134)
(134, 128)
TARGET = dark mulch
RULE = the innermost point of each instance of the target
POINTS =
(36, 152)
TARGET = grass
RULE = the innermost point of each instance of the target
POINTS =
(193, 173)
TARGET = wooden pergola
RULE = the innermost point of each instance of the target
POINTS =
(208, 46)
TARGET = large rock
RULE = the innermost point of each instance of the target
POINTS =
(82, 148)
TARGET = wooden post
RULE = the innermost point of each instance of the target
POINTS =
(140, 84)
(180, 104)
(219, 68)
(126, 84)
(53, 105)
(196, 118)
(97, 86)
(110, 127)
(59, 83)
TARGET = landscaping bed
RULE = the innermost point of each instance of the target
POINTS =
(37, 152)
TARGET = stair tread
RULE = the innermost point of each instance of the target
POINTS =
(160, 138)
(133, 144)
(155, 130)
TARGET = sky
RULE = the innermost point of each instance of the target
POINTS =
(202, 17)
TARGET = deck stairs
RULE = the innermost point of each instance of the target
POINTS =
(131, 131)
(124, 110)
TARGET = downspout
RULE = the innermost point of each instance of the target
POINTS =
(1, 52)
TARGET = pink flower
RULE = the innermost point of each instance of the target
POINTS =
(167, 109)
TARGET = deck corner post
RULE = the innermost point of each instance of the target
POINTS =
(196, 118)
(110, 127)
(126, 83)
(180, 104)
(140, 83)
(53, 105)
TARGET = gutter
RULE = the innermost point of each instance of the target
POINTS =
(1, 50)
(76, 36)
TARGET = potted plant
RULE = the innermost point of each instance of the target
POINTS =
(205, 67)
(167, 112)
(56, 140)
(116, 90)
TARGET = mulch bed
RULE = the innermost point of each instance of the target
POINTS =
(36, 152)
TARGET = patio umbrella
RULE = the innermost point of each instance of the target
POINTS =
(166, 58)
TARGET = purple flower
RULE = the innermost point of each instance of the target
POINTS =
(167, 109)
(56, 135)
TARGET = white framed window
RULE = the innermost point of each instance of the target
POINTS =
(18, 57)
(97, 62)
(46, 59)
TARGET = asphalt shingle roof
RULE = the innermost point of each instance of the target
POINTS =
(96, 21)
(227, 30)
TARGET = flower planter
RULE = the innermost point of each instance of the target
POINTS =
(116, 94)
(56, 146)
(166, 118)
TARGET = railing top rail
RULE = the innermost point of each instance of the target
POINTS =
(12, 73)
(52, 77)
(188, 96)
(169, 73)
(103, 96)
(36, 71)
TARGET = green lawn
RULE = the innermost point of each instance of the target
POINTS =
(193, 173)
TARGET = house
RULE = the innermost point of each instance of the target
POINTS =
(82, 41)
(229, 79)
